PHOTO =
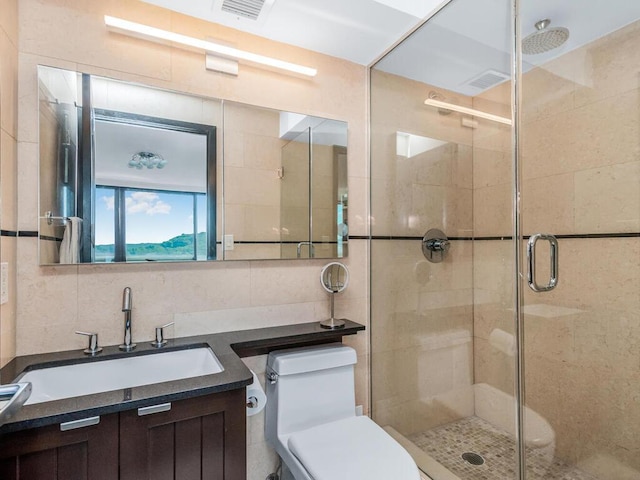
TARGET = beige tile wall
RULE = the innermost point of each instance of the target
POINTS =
(8, 166)
(431, 190)
(581, 174)
(422, 315)
(45, 45)
(52, 302)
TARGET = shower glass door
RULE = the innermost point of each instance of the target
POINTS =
(580, 163)
(443, 345)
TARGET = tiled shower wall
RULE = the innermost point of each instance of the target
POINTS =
(422, 315)
(581, 175)
(52, 302)
(8, 165)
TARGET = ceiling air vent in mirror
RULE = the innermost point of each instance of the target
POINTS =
(487, 79)
(249, 9)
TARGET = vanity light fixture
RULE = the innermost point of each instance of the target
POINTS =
(432, 102)
(147, 159)
(138, 29)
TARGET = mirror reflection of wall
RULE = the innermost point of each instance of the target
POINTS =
(285, 184)
(295, 197)
(251, 183)
(58, 101)
(149, 184)
(329, 189)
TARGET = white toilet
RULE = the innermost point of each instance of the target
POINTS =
(311, 420)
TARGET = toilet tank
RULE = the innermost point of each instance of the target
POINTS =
(315, 385)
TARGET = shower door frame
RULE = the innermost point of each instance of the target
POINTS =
(518, 275)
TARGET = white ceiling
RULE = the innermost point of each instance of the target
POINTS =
(356, 30)
(116, 143)
(465, 39)
(469, 37)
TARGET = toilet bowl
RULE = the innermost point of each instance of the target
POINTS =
(312, 424)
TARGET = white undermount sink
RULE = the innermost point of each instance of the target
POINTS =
(55, 383)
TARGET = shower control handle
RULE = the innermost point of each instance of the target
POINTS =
(531, 257)
(435, 245)
(438, 244)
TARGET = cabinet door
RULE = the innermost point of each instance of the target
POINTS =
(46, 453)
(199, 438)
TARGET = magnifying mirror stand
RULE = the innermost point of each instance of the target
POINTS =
(332, 323)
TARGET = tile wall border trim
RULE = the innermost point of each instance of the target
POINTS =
(568, 236)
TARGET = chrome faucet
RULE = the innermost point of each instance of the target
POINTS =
(128, 344)
(311, 249)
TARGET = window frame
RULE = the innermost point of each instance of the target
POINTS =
(90, 115)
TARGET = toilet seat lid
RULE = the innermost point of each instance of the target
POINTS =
(352, 449)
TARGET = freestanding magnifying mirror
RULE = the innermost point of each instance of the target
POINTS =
(334, 278)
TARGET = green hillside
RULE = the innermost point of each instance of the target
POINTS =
(176, 248)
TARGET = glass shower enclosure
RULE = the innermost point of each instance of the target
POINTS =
(514, 129)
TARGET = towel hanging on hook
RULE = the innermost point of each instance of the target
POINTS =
(70, 246)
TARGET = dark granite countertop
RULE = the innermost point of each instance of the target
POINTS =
(228, 348)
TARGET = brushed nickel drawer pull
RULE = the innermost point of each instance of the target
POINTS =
(83, 422)
(163, 407)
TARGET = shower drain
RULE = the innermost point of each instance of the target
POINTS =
(473, 458)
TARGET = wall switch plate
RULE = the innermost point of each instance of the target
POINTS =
(228, 242)
(4, 283)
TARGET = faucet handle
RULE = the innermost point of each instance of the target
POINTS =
(93, 348)
(160, 340)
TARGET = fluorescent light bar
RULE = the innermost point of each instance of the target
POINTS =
(211, 47)
(469, 111)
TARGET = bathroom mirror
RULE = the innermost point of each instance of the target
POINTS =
(334, 277)
(130, 173)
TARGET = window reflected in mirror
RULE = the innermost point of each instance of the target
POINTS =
(156, 208)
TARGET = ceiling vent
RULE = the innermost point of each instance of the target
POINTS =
(487, 79)
(243, 8)
(253, 11)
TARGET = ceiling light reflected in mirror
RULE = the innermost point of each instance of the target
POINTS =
(432, 102)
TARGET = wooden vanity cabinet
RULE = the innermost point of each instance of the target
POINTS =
(46, 453)
(198, 438)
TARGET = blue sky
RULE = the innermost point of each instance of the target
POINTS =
(151, 216)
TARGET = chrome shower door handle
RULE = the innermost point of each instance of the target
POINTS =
(531, 257)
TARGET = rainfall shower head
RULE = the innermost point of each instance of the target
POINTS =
(544, 39)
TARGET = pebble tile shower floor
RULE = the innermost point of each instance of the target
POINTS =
(447, 443)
